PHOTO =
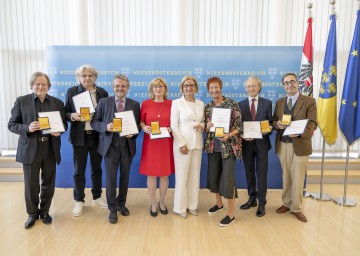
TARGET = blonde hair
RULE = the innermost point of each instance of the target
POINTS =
(157, 81)
(184, 79)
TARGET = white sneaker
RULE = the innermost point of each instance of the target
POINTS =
(193, 212)
(78, 208)
(183, 215)
(100, 202)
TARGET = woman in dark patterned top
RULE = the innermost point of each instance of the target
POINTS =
(222, 152)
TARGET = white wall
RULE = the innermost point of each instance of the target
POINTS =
(27, 27)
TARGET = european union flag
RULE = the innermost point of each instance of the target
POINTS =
(349, 117)
(327, 117)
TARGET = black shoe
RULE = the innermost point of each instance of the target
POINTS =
(260, 211)
(123, 210)
(113, 218)
(46, 218)
(215, 209)
(226, 221)
(163, 211)
(249, 204)
(31, 221)
(153, 214)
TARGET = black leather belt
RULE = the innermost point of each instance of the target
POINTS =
(42, 139)
(89, 132)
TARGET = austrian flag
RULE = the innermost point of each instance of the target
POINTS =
(306, 69)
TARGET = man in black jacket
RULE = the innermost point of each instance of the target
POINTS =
(84, 139)
(37, 150)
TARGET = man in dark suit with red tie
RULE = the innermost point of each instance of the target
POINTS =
(37, 151)
(116, 150)
(255, 151)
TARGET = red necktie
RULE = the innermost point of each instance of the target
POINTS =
(253, 112)
(120, 106)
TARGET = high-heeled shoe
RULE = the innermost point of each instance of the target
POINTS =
(153, 214)
(163, 211)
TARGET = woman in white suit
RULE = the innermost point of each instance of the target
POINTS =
(187, 124)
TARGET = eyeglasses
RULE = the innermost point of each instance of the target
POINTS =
(254, 86)
(292, 82)
(39, 85)
(189, 85)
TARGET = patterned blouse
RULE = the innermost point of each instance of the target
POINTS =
(231, 147)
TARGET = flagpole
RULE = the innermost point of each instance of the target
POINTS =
(321, 196)
(344, 201)
(305, 193)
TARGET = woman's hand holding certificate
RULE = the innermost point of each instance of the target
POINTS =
(220, 118)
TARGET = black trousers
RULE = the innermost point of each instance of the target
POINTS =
(44, 160)
(80, 160)
(256, 163)
(221, 175)
(114, 157)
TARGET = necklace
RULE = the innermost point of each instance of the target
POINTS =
(159, 112)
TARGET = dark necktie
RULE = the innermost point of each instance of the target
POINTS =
(120, 106)
(290, 104)
(252, 110)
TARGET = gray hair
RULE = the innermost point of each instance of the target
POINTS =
(36, 75)
(257, 79)
(122, 77)
(80, 70)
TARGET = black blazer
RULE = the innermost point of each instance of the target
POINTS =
(76, 136)
(104, 114)
(22, 115)
(264, 112)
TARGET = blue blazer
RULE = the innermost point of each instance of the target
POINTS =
(22, 115)
(104, 115)
(264, 112)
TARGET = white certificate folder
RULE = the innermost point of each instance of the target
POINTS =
(55, 120)
(83, 100)
(220, 117)
(128, 123)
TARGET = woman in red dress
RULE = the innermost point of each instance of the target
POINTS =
(157, 158)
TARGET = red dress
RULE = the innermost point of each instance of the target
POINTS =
(157, 157)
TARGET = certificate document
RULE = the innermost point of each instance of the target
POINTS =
(128, 123)
(296, 127)
(252, 130)
(220, 118)
(55, 120)
(164, 134)
(83, 100)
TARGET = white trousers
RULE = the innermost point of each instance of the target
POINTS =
(187, 179)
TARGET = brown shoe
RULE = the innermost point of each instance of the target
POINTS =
(300, 216)
(282, 209)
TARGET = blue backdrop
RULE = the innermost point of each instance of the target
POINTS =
(141, 64)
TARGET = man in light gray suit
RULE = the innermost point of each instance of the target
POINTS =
(115, 149)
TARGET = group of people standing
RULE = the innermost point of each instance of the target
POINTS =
(185, 119)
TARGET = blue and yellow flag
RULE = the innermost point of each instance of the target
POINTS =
(327, 116)
(349, 117)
